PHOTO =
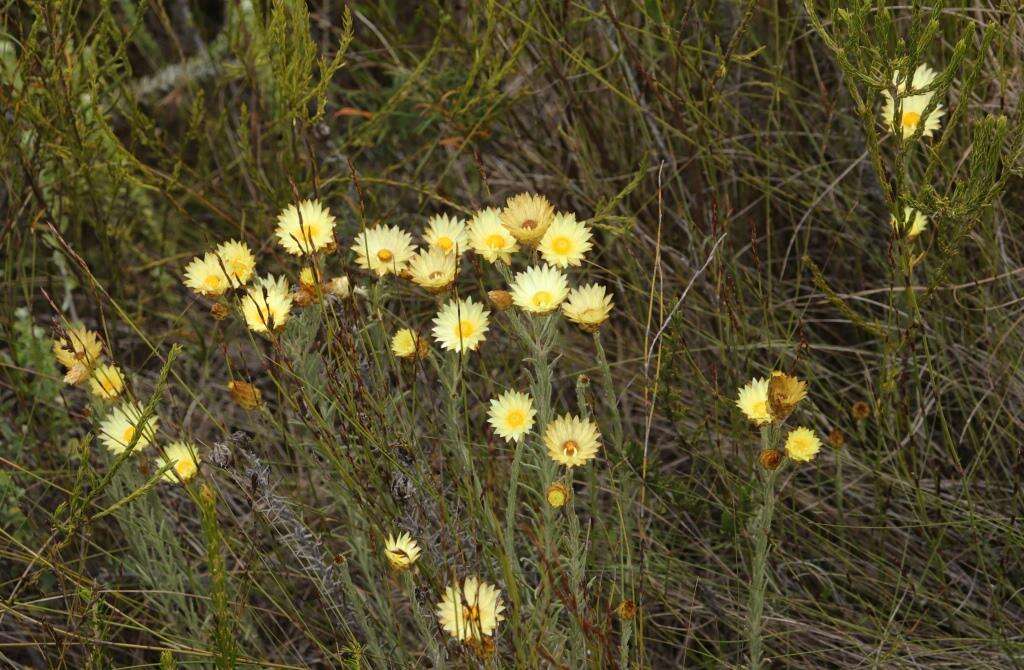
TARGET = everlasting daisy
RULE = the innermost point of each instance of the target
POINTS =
(753, 401)
(383, 249)
(206, 277)
(447, 234)
(802, 444)
(511, 415)
(912, 223)
(78, 351)
(558, 494)
(401, 551)
(912, 106)
(527, 216)
(306, 228)
(470, 611)
(433, 270)
(489, 238)
(572, 441)
(123, 424)
(183, 459)
(237, 260)
(408, 344)
(106, 382)
(266, 305)
(588, 307)
(539, 289)
(244, 394)
(461, 325)
(784, 392)
(566, 241)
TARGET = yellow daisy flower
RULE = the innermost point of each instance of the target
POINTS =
(408, 344)
(306, 228)
(588, 307)
(106, 382)
(802, 444)
(433, 270)
(489, 238)
(447, 234)
(912, 221)
(237, 260)
(183, 459)
(461, 325)
(122, 425)
(206, 277)
(753, 401)
(539, 289)
(383, 249)
(267, 304)
(78, 351)
(527, 216)
(401, 551)
(912, 106)
(470, 611)
(572, 441)
(511, 415)
(566, 241)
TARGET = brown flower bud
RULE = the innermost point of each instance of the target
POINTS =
(219, 311)
(784, 392)
(244, 394)
(500, 299)
(626, 610)
(770, 458)
(304, 297)
(558, 494)
(836, 438)
(484, 647)
(860, 410)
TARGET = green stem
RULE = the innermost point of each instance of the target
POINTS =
(760, 526)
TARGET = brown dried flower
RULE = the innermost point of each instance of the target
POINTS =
(784, 392)
(770, 458)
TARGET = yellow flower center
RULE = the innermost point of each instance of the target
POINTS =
(529, 224)
(515, 418)
(561, 245)
(384, 255)
(910, 119)
(445, 243)
(127, 435)
(496, 241)
(541, 299)
(212, 282)
(185, 468)
(466, 328)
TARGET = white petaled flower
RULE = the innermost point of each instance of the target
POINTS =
(433, 270)
(527, 216)
(461, 325)
(912, 106)
(106, 382)
(588, 307)
(912, 223)
(571, 440)
(489, 238)
(511, 415)
(267, 304)
(471, 610)
(123, 424)
(539, 290)
(383, 249)
(566, 241)
(306, 228)
(447, 234)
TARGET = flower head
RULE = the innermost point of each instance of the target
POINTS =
(588, 307)
(206, 277)
(753, 401)
(511, 415)
(558, 494)
(539, 289)
(383, 249)
(489, 238)
(572, 441)
(527, 216)
(267, 304)
(912, 223)
(244, 394)
(802, 444)
(471, 610)
(407, 343)
(447, 234)
(238, 260)
(106, 382)
(433, 270)
(401, 551)
(912, 106)
(123, 425)
(306, 228)
(860, 410)
(784, 392)
(566, 241)
(78, 351)
(461, 325)
(183, 460)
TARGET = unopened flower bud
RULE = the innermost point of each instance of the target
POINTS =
(770, 458)
(244, 394)
(558, 494)
(626, 610)
(836, 438)
(500, 299)
(219, 311)
(860, 410)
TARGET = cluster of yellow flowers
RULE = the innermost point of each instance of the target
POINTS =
(767, 401)
(80, 352)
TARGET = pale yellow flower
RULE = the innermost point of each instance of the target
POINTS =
(527, 216)
(406, 343)
(446, 233)
(471, 610)
(913, 222)
(183, 459)
(122, 424)
(267, 304)
(206, 277)
(588, 306)
(306, 228)
(433, 270)
(572, 441)
(566, 241)
(383, 249)
(912, 106)
(238, 260)
(539, 290)
(401, 551)
(753, 401)
(461, 325)
(802, 444)
(489, 238)
(106, 382)
(78, 351)
(511, 415)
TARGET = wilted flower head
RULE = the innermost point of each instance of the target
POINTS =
(527, 216)
(267, 304)
(489, 238)
(78, 351)
(802, 444)
(306, 228)
(588, 307)
(183, 460)
(471, 610)
(572, 441)
(784, 392)
(566, 241)
(860, 410)
(244, 394)
(461, 325)
(446, 234)
(401, 551)
(539, 290)
(753, 401)
(770, 459)
(383, 249)
(121, 426)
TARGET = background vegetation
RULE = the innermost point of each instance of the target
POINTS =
(731, 159)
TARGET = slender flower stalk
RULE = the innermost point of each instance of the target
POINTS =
(760, 526)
